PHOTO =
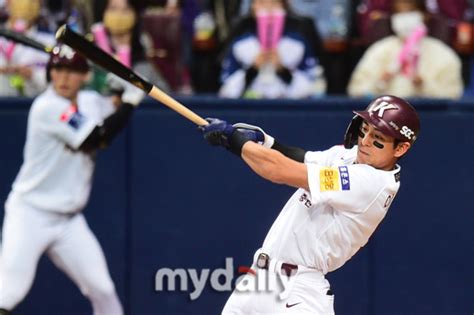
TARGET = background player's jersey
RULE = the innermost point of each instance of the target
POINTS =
(55, 176)
(325, 227)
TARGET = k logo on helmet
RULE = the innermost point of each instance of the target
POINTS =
(381, 108)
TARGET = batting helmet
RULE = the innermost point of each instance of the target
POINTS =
(65, 56)
(391, 115)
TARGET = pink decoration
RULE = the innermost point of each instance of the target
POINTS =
(124, 55)
(100, 37)
(278, 22)
(270, 26)
(410, 53)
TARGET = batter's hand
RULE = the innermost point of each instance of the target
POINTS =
(256, 134)
(218, 132)
(126, 91)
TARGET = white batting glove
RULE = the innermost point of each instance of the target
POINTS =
(114, 83)
(269, 140)
(132, 95)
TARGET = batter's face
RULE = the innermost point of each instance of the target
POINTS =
(67, 82)
(377, 149)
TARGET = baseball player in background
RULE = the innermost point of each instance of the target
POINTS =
(343, 194)
(66, 127)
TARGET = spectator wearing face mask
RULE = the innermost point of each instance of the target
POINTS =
(22, 69)
(269, 55)
(409, 63)
(120, 35)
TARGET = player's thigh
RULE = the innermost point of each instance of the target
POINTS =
(26, 234)
(79, 254)
(311, 296)
(256, 293)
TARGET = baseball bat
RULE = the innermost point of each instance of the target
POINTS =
(106, 61)
(24, 40)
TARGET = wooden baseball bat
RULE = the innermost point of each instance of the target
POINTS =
(24, 40)
(106, 61)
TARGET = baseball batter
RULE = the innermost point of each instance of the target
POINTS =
(66, 126)
(343, 194)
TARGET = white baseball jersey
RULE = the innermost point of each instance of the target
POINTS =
(54, 175)
(324, 227)
(12, 54)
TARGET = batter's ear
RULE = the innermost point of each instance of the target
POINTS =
(401, 149)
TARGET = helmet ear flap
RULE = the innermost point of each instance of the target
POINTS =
(352, 132)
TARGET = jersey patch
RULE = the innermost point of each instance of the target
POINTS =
(334, 179)
(345, 180)
(72, 117)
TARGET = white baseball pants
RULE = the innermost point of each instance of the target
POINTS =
(69, 243)
(268, 292)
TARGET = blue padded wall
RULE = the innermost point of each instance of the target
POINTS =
(162, 198)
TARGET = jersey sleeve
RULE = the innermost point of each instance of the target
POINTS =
(348, 188)
(321, 157)
(63, 122)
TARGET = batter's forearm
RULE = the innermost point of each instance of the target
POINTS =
(274, 166)
(294, 153)
(261, 160)
(101, 136)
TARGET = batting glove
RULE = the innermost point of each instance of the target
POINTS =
(217, 132)
(129, 93)
(256, 134)
(233, 137)
(132, 95)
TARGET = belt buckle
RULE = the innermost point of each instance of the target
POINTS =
(262, 261)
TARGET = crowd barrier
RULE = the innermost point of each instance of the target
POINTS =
(162, 198)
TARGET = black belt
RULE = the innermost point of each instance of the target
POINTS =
(263, 262)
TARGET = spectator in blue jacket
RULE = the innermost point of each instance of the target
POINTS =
(270, 55)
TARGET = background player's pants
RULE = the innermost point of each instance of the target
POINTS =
(306, 293)
(70, 244)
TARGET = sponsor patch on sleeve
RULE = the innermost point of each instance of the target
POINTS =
(72, 117)
(344, 175)
(329, 179)
(334, 179)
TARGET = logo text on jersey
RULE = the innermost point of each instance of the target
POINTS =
(345, 180)
(305, 200)
(72, 117)
(334, 179)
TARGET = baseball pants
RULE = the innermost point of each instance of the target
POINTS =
(305, 292)
(69, 243)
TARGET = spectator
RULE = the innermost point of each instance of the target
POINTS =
(211, 30)
(332, 17)
(170, 23)
(260, 65)
(409, 63)
(119, 34)
(22, 69)
(78, 14)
